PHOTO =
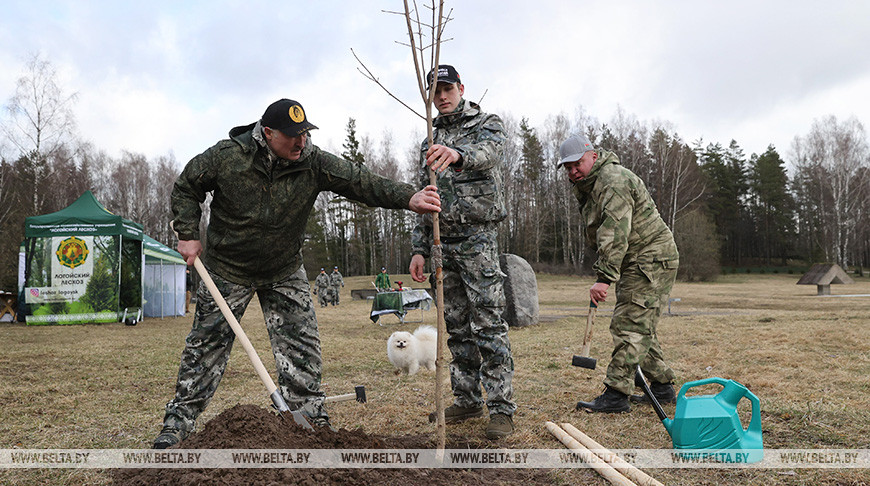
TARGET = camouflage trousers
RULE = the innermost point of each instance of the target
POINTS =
(292, 327)
(477, 335)
(640, 294)
(335, 290)
(324, 296)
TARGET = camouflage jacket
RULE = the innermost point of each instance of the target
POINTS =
(258, 216)
(622, 222)
(321, 282)
(336, 279)
(472, 193)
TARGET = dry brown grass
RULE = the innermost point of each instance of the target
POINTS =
(806, 357)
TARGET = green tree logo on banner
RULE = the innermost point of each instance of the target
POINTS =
(72, 252)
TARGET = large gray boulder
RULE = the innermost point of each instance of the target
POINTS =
(521, 291)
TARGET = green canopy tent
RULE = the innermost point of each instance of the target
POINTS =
(165, 279)
(82, 264)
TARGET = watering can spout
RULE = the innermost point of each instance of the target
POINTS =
(668, 423)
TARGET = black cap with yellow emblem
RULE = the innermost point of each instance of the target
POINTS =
(288, 117)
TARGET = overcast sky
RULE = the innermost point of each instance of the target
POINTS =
(174, 76)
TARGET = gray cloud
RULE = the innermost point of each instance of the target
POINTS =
(758, 72)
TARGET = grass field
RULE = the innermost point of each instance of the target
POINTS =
(806, 357)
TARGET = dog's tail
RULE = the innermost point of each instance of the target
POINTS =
(426, 333)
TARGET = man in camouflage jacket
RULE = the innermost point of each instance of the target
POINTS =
(322, 288)
(336, 281)
(636, 251)
(264, 180)
(467, 156)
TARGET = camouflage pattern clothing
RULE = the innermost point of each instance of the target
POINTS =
(292, 328)
(261, 203)
(336, 281)
(474, 302)
(322, 289)
(637, 253)
(472, 192)
(472, 204)
(259, 209)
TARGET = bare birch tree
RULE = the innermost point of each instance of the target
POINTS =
(835, 156)
(40, 121)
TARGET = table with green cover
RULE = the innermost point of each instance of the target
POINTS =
(399, 303)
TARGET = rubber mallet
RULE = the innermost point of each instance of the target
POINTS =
(584, 361)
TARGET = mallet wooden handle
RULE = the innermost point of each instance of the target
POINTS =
(341, 398)
(587, 336)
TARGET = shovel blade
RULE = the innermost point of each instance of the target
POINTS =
(301, 420)
(279, 403)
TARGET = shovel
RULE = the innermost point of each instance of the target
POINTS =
(277, 400)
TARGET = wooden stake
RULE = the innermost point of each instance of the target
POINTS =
(604, 469)
(631, 472)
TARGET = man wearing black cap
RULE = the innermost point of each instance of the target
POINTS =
(467, 155)
(264, 180)
(637, 254)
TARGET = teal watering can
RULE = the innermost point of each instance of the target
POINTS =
(709, 424)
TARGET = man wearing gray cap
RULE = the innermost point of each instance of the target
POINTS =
(637, 253)
(264, 180)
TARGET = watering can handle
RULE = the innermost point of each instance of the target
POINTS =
(755, 421)
(705, 381)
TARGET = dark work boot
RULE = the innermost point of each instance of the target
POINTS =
(500, 426)
(611, 401)
(455, 414)
(168, 437)
(664, 393)
(322, 422)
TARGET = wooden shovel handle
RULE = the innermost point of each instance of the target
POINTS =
(234, 324)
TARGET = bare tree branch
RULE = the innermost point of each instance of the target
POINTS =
(368, 74)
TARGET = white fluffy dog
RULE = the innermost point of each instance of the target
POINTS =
(408, 352)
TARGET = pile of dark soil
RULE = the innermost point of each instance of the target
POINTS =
(251, 427)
